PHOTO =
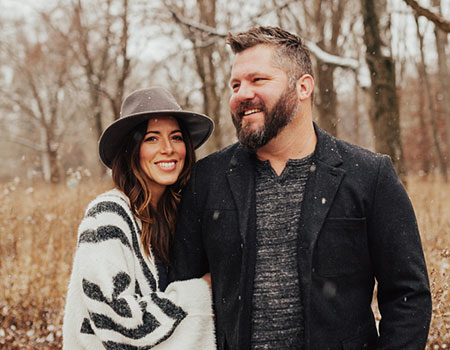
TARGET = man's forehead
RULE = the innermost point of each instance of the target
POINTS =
(253, 56)
(249, 66)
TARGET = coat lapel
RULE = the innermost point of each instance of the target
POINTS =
(321, 189)
(323, 184)
(241, 179)
(325, 179)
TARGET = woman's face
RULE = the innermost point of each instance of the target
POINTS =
(162, 152)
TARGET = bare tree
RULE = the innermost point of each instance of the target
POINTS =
(205, 49)
(105, 62)
(99, 35)
(326, 25)
(327, 102)
(38, 97)
(431, 111)
(444, 77)
(385, 115)
(208, 56)
(437, 19)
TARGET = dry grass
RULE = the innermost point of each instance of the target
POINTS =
(37, 239)
(38, 236)
(432, 205)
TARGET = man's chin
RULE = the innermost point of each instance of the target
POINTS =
(252, 142)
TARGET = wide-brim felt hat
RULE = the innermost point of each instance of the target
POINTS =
(142, 105)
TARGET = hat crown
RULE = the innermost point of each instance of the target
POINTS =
(148, 101)
(139, 107)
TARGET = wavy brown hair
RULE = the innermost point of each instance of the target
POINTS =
(158, 224)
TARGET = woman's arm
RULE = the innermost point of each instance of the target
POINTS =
(116, 287)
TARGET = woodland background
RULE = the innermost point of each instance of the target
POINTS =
(382, 82)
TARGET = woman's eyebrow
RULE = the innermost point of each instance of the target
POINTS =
(159, 132)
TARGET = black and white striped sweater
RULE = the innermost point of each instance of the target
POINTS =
(113, 301)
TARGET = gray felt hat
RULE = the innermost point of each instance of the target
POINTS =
(140, 106)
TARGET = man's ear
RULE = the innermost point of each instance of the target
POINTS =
(305, 87)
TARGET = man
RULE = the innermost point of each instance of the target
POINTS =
(294, 225)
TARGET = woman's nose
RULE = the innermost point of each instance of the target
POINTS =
(166, 146)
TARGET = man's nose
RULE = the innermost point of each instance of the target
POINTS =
(245, 92)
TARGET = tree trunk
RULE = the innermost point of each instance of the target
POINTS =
(204, 56)
(49, 158)
(356, 111)
(424, 135)
(385, 115)
(327, 102)
(327, 105)
(55, 176)
(426, 86)
(444, 77)
(46, 167)
(107, 67)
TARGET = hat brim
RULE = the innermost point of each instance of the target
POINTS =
(199, 126)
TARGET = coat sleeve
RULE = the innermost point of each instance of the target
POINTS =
(122, 311)
(403, 295)
(188, 257)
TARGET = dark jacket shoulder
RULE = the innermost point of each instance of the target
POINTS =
(328, 145)
(221, 157)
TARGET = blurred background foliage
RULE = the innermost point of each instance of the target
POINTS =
(381, 71)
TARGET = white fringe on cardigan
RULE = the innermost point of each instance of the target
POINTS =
(113, 301)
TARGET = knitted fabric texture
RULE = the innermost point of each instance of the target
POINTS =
(277, 320)
(113, 300)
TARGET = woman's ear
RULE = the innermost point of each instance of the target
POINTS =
(305, 87)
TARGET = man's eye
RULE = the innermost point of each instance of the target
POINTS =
(235, 87)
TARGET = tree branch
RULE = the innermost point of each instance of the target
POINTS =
(321, 55)
(24, 142)
(315, 50)
(438, 20)
(325, 57)
(194, 25)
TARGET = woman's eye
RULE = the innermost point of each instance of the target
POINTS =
(150, 139)
(178, 138)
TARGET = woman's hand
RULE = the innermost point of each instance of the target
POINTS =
(207, 278)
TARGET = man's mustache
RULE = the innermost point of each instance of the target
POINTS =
(250, 104)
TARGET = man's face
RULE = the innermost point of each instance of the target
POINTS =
(262, 103)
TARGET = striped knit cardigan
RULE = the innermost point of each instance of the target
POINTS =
(113, 301)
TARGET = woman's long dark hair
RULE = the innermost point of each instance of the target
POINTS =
(158, 224)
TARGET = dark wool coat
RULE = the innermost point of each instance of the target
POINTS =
(357, 225)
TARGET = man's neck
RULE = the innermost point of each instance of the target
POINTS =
(296, 141)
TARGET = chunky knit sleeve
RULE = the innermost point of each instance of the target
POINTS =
(113, 300)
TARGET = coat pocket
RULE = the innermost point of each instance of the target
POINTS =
(342, 247)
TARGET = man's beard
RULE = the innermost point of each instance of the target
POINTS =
(282, 113)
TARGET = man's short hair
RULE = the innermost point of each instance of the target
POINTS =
(291, 55)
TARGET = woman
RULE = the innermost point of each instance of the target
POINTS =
(117, 297)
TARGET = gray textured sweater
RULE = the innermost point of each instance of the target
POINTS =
(277, 320)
